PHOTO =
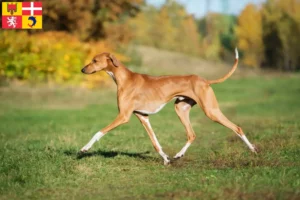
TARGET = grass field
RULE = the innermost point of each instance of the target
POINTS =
(42, 129)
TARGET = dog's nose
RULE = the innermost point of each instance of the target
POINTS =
(82, 70)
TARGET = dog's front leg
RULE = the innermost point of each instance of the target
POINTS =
(145, 121)
(121, 119)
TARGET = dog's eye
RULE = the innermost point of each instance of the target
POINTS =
(94, 61)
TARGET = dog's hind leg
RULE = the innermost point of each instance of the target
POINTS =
(145, 121)
(182, 108)
(211, 109)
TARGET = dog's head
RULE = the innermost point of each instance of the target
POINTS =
(100, 62)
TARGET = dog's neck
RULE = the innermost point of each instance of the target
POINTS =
(119, 74)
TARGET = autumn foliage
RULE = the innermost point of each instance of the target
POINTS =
(54, 57)
(73, 32)
(169, 27)
(267, 35)
(250, 35)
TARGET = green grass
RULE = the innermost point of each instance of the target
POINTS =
(42, 129)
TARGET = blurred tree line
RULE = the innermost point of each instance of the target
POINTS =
(169, 27)
(73, 32)
(91, 19)
(267, 36)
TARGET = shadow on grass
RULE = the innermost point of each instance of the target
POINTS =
(107, 154)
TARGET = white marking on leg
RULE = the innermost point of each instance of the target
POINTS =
(244, 138)
(165, 157)
(186, 107)
(183, 150)
(160, 151)
(94, 139)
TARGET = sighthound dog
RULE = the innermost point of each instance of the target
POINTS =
(144, 95)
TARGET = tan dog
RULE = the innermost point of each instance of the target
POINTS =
(144, 95)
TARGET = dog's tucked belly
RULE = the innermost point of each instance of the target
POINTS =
(154, 108)
(151, 110)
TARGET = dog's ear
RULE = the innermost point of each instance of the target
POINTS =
(114, 60)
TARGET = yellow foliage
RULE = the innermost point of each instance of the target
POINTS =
(282, 19)
(50, 56)
(250, 35)
(169, 27)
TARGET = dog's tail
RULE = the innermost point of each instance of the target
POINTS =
(220, 80)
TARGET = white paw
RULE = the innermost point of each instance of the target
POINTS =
(254, 149)
(167, 162)
(177, 156)
(85, 148)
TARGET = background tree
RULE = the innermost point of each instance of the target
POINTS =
(250, 35)
(169, 27)
(281, 35)
(87, 18)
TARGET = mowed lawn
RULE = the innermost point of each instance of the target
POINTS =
(42, 130)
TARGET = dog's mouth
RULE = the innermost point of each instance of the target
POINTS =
(83, 71)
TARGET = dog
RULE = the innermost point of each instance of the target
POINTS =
(144, 95)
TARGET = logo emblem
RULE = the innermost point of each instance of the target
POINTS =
(32, 18)
(11, 8)
(22, 15)
(12, 21)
